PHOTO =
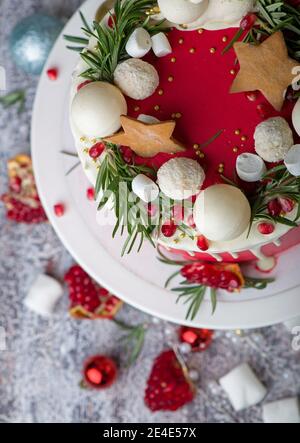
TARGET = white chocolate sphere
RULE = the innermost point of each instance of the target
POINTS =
(136, 79)
(180, 178)
(222, 213)
(273, 139)
(96, 109)
(181, 11)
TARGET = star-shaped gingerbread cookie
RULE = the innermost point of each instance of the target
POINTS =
(267, 68)
(147, 140)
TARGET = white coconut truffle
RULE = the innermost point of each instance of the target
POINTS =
(273, 139)
(96, 109)
(182, 11)
(136, 79)
(222, 212)
(180, 178)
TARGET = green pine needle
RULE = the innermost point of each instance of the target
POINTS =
(12, 98)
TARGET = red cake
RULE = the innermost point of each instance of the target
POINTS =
(194, 102)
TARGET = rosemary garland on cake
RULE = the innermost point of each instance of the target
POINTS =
(110, 41)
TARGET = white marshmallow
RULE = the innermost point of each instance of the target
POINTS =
(161, 45)
(139, 43)
(292, 160)
(282, 411)
(250, 167)
(43, 295)
(242, 387)
(145, 188)
(149, 119)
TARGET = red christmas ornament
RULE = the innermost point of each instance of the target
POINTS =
(52, 74)
(266, 228)
(168, 387)
(21, 200)
(96, 150)
(59, 210)
(99, 372)
(89, 300)
(199, 339)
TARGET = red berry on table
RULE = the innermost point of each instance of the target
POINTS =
(59, 209)
(52, 74)
(274, 208)
(202, 243)
(96, 150)
(248, 22)
(168, 229)
(168, 389)
(287, 205)
(199, 339)
(266, 228)
(90, 193)
(99, 372)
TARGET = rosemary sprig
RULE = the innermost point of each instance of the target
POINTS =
(133, 339)
(13, 98)
(110, 42)
(273, 16)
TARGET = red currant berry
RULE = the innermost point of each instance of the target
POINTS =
(96, 150)
(52, 74)
(202, 243)
(59, 210)
(266, 228)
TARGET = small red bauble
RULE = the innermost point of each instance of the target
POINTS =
(99, 372)
(274, 208)
(266, 228)
(52, 74)
(199, 339)
(59, 209)
(248, 22)
(168, 229)
(96, 150)
(202, 243)
(90, 193)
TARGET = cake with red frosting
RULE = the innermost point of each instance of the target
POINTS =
(186, 118)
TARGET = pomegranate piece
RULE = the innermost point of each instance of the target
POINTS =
(52, 74)
(266, 228)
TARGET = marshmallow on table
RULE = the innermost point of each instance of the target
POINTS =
(242, 387)
(282, 411)
(161, 45)
(139, 43)
(145, 188)
(43, 295)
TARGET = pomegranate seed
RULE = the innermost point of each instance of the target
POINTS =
(266, 228)
(169, 229)
(251, 96)
(248, 22)
(287, 205)
(90, 193)
(83, 84)
(96, 150)
(202, 243)
(59, 209)
(52, 74)
(274, 208)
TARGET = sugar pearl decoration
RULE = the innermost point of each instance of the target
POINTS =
(139, 43)
(180, 178)
(243, 387)
(181, 11)
(292, 160)
(96, 109)
(250, 167)
(222, 212)
(161, 45)
(145, 188)
(136, 78)
(282, 411)
(43, 295)
(273, 139)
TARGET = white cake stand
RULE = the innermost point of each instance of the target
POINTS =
(139, 278)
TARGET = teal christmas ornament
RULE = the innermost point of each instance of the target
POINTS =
(31, 41)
